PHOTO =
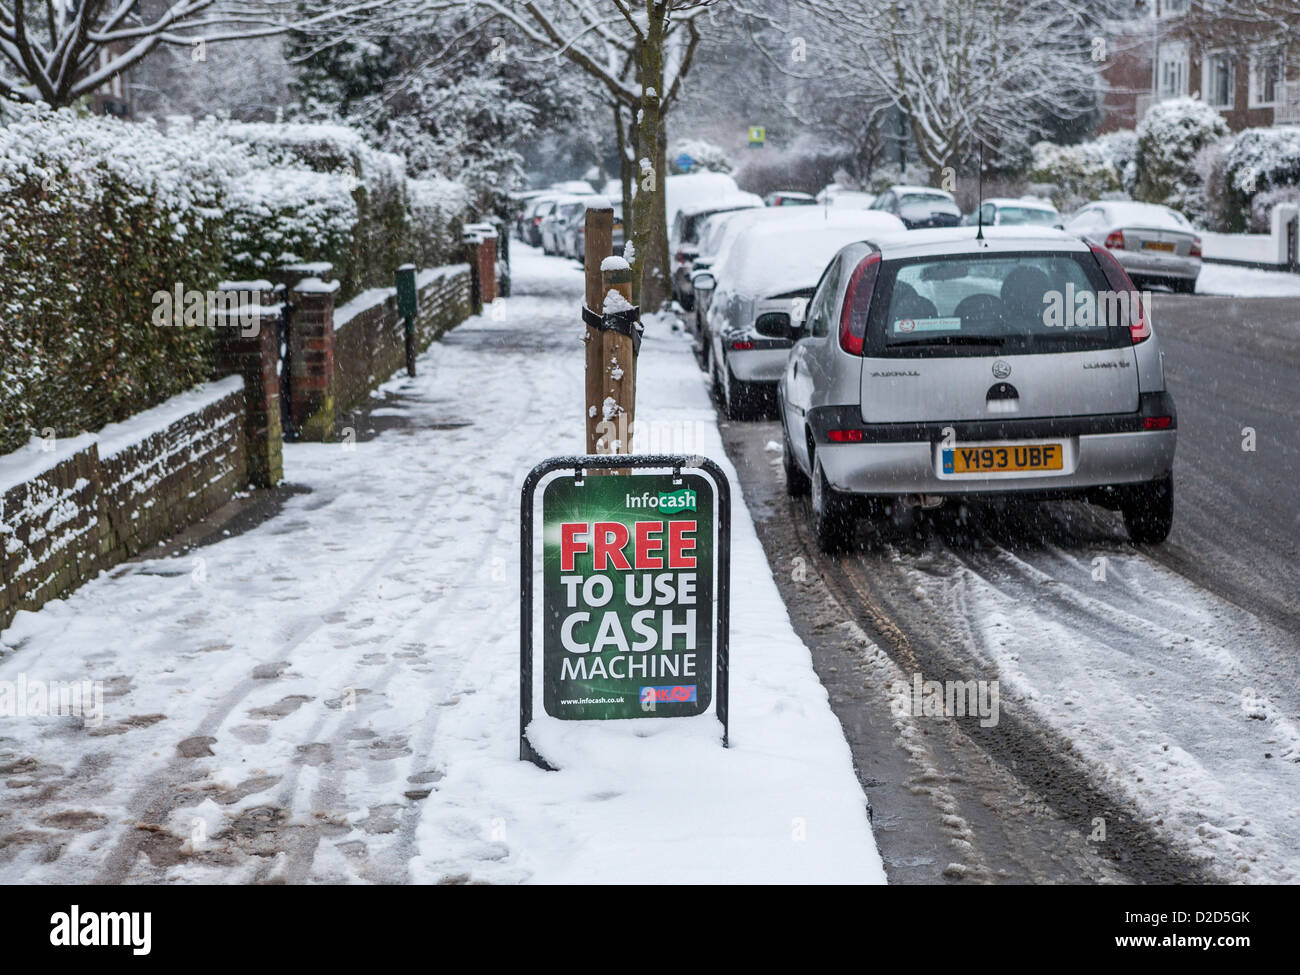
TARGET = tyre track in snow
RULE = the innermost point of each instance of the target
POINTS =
(153, 802)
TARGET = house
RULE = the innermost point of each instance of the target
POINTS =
(1242, 57)
(113, 97)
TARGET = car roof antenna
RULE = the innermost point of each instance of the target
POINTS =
(979, 203)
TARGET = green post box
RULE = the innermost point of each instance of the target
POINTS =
(408, 306)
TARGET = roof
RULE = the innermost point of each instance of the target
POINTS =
(943, 241)
(733, 201)
(903, 188)
(1013, 201)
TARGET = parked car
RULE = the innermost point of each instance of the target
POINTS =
(520, 203)
(683, 243)
(1153, 243)
(919, 206)
(835, 195)
(926, 368)
(771, 267)
(557, 221)
(789, 198)
(534, 214)
(576, 237)
(1006, 212)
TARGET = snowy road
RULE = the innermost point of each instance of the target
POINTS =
(332, 695)
(1157, 690)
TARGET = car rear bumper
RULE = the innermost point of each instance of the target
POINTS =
(1157, 265)
(908, 458)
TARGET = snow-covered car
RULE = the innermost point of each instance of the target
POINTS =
(557, 222)
(919, 206)
(841, 196)
(683, 234)
(1008, 212)
(534, 214)
(576, 237)
(520, 203)
(755, 288)
(934, 366)
(789, 198)
(1153, 243)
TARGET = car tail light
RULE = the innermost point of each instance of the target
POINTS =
(742, 346)
(1157, 422)
(857, 300)
(1196, 247)
(1115, 240)
(536, 221)
(683, 257)
(1139, 327)
(844, 436)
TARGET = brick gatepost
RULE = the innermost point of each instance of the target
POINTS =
(311, 331)
(252, 350)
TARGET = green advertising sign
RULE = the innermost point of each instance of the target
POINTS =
(628, 598)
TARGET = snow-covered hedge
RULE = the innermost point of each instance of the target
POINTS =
(95, 216)
(1169, 138)
(438, 210)
(1261, 167)
(1084, 172)
(348, 197)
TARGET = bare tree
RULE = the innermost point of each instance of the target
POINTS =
(964, 73)
(57, 51)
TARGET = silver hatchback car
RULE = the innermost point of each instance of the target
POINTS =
(947, 363)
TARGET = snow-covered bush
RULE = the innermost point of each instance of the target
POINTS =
(1261, 167)
(1169, 137)
(334, 197)
(97, 215)
(706, 157)
(1081, 173)
(438, 208)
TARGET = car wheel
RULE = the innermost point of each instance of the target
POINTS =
(796, 481)
(1148, 511)
(738, 397)
(832, 513)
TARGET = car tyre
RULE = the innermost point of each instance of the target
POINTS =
(832, 513)
(738, 397)
(797, 484)
(1148, 511)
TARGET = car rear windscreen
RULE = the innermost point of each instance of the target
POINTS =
(1029, 215)
(996, 304)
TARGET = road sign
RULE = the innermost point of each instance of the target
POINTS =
(635, 589)
(757, 136)
(684, 163)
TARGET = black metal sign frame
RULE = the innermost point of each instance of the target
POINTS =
(579, 464)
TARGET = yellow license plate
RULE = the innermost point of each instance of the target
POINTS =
(1007, 457)
(617, 225)
(1158, 245)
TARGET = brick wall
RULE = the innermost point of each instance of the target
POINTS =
(107, 497)
(370, 344)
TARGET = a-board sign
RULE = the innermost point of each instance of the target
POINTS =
(635, 588)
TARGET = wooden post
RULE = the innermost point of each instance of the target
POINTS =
(599, 245)
(618, 362)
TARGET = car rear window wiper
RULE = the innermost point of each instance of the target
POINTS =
(992, 340)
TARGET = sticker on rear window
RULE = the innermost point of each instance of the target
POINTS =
(905, 326)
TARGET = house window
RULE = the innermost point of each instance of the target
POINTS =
(1267, 73)
(1173, 70)
(1219, 80)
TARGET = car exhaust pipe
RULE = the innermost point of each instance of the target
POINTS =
(926, 501)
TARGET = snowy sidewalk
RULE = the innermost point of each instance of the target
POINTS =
(332, 696)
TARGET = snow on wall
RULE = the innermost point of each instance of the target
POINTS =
(102, 498)
(369, 340)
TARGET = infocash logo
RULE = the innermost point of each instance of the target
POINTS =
(683, 500)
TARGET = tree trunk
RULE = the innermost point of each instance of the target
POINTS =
(650, 223)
